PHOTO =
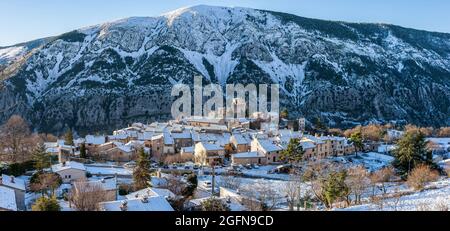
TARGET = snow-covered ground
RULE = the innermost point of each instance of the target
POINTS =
(373, 161)
(436, 196)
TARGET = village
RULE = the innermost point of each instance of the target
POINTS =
(239, 164)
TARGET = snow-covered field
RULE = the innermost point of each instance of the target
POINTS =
(435, 197)
(373, 161)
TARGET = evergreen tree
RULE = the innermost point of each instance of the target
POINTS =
(293, 153)
(335, 187)
(191, 185)
(212, 204)
(318, 125)
(46, 204)
(68, 138)
(411, 151)
(141, 174)
(83, 151)
(356, 140)
(284, 114)
(41, 158)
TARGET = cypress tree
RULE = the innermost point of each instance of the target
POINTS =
(83, 151)
(141, 174)
(41, 158)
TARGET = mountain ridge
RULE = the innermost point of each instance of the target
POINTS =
(344, 73)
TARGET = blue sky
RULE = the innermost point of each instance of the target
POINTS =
(24, 20)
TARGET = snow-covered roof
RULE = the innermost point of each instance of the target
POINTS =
(109, 183)
(241, 139)
(7, 199)
(168, 139)
(68, 165)
(13, 182)
(269, 145)
(157, 137)
(307, 145)
(79, 141)
(386, 148)
(181, 135)
(146, 135)
(96, 140)
(244, 155)
(52, 150)
(211, 147)
(151, 192)
(199, 119)
(125, 148)
(51, 144)
(156, 203)
(313, 139)
(334, 138)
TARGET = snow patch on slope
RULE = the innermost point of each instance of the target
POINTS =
(10, 53)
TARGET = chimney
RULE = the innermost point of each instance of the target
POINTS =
(64, 164)
(12, 179)
(124, 206)
(1, 180)
(144, 199)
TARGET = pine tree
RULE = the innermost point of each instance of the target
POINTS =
(68, 138)
(41, 158)
(293, 153)
(411, 151)
(83, 151)
(284, 114)
(191, 185)
(46, 204)
(335, 187)
(356, 140)
(141, 174)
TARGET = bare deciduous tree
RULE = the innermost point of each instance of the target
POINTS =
(86, 196)
(358, 181)
(292, 190)
(17, 140)
(267, 195)
(46, 182)
(230, 182)
(381, 177)
(174, 184)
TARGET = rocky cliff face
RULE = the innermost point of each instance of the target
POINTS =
(106, 76)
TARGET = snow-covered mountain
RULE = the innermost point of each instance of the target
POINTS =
(105, 76)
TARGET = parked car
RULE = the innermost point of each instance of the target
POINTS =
(255, 166)
(187, 167)
(154, 165)
(166, 167)
(130, 165)
(248, 166)
(207, 185)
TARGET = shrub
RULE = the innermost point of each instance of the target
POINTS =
(421, 175)
(46, 204)
(17, 169)
(125, 189)
(213, 204)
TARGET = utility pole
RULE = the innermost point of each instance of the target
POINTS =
(213, 177)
